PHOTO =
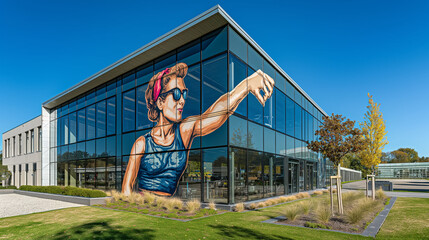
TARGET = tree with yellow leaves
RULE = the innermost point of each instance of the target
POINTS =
(374, 134)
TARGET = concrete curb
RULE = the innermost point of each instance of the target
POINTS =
(65, 198)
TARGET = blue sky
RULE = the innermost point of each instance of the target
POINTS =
(337, 51)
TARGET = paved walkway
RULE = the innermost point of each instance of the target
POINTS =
(16, 204)
(415, 187)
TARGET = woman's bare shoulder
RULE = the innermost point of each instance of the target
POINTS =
(140, 144)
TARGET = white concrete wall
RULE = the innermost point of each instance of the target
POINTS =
(45, 147)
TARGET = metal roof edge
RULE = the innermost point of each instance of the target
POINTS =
(258, 48)
(175, 31)
(22, 124)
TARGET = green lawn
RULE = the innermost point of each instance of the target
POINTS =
(408, 219)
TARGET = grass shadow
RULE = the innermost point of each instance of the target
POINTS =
(236, 232)
(103, 230)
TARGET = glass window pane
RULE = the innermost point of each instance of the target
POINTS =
(90, 173)
(280, 82)
(269, 140)
(237, 45)
(255, 136)
(215, 175)
(280, 144)
(237, 74)
(268, 174)
(190, 183)
(111, 116)
(270, 109)
(280, 111)
(72, 151)
(238, 131)
(142, 118)
(80, 151)
(144, 75)
(72, 106)
(127, 143)
(90, 148)
(90, 122)
(279, 173)
(298, 119)
(72, 125)
(90, 98)
(101, 119)
(165, 61)
(111, 88)
(193, 83)
(189, 53)
(255, 110)
(290, 90)
(214, 80)
(81, 125)
(65, 133)
(128, 81)
(111, 146)
(239, 162)
(290, 117)
(128, 111)
(255, 178)
(101, 147)
(255, 60)
(111, 174)
(214, 43)
(216, 138)
(100, 169)
(100, 93)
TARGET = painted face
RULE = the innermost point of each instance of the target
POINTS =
(172, 108)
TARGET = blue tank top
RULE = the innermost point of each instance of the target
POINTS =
(162, 166)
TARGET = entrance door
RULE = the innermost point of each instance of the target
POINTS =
(293, 176)
(309, 175)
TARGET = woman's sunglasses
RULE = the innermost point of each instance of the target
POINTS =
(177, 93)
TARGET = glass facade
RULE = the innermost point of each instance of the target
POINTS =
(258, 152)
(403, 170)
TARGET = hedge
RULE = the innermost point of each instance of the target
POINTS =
(8, 187)
(71, 191)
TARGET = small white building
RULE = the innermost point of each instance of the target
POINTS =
(22, 153)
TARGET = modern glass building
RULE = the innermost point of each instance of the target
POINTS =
(255, 151)
(403, 170)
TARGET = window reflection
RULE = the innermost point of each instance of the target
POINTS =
(190, 183)
(215, 175)
(214, 80)
(239, 160)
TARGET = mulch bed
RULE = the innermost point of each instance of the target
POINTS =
(338, 223)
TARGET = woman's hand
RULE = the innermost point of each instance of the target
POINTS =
(260, 81)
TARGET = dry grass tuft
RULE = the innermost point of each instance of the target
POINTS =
(109, 193)
(261, 204)
(379, 194)
(177, 203)
(318, 192)
(291, 198)
(270, 202)
(116, 196)
(252, 206)
(193, 205)
(323, 213)
(239, 207)
(305, 206)
(292, 212)
(325, 191)
(212, 205)
(302, 195)
(160, 201)
(108, 200)
(283, 199)
(149, 198)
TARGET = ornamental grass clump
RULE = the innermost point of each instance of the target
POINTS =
(350, 197)
(193, 205)
(212, 205)
(302, 195)
(323, 213)
(108, 200)
(283, 199)
(169, 204)
(305, 206)
(239, 207)
(116, 196)
(160, 201)
(379, 194)
(292, 212)
(252, 206)
(261, 204)
(149, 198)
(177, 203)
(317, 192)
(325, 191)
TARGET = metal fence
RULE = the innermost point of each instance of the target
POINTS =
(348, 174)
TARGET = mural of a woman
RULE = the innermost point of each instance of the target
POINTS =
(165, 97)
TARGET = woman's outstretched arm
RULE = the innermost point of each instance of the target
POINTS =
(133, 165)
(209, 121)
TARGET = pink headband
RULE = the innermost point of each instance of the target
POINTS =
(157, 87)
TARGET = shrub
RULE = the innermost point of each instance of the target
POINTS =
(212, 205)
(239, 207)
(292, 212)
(315, 225)
(72, 191)
(379, 194)
(193, 205)
(9, 187)
(323, 213)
